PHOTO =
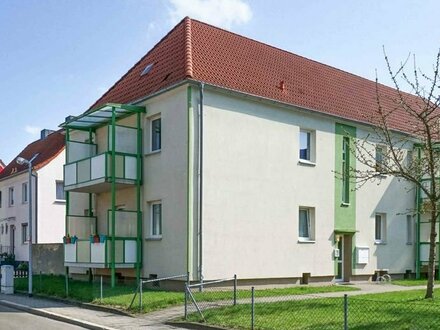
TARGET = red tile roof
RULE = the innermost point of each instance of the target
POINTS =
(47, 149)
(201, 52)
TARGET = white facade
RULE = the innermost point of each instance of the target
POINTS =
(48, 211)
(253, 187)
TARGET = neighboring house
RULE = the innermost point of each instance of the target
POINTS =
(2, 166)
(216, 155)
(48, 199)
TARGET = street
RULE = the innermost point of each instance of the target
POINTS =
(16, 319)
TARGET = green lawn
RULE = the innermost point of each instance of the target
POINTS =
(122, 295)
(397, 310)
(412, 282)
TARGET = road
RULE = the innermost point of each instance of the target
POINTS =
(13, 319)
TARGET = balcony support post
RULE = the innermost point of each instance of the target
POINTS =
(113, 200)
(138, 198)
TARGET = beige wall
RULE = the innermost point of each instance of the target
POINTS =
(254, 186)
(396, 199)
(165, 179)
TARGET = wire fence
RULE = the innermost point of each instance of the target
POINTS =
(254, 311)
(203, 296)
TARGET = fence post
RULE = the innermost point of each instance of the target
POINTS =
(252, 307)
(40, 280)
(140, 295)
(101, 289)
(345, 312)
(186, 301)
(235, 289)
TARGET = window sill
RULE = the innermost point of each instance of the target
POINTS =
(306, 241)
(345, 204)
(306, 162)
(380, 243)
(153, 152)
(59, 201)
(154, 238)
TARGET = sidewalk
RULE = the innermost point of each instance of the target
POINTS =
(90, 318)
(95, 319)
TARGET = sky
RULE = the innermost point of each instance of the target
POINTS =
(59, 56)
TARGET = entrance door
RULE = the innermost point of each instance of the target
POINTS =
(339, 256)
(343, 257)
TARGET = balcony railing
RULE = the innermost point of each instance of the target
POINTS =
(85, 173)
(98, 255)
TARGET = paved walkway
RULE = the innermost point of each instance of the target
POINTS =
(93, 319)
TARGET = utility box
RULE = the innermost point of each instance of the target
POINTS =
(7, 281)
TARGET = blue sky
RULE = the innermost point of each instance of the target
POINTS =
(58, 56)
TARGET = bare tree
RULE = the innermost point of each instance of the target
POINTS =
(405, 142)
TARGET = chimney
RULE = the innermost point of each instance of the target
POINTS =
(45, 133)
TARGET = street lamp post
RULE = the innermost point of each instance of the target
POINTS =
(23, 161)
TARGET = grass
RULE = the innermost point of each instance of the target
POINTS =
(396, 310)
(412, 282)
(121, 296)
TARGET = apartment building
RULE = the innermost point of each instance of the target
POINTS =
(48, 201)
(216, 155)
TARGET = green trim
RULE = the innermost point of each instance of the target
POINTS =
(138, 198)
(345, 214)
(345, 195)
(113, 201)
(190, 183)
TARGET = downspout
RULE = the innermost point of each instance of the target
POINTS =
(200, 183)
(35, 176)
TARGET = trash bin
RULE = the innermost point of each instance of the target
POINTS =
(7, 280)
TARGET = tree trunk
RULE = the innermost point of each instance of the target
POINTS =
(432, 250)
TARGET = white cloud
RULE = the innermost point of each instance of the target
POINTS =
(33, 130)
(222, 13)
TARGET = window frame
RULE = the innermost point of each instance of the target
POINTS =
(346, 170)
(379, 163)
(152, 233)
(152, 120)
(24, 193)
(380, 232)
(11, 199)
(59, 182)
(24, 233)
(310, 218)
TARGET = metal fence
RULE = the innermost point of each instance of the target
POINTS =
(153, 285)
(203, 296)
(255, 310)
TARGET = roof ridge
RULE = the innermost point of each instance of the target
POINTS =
(188, 48)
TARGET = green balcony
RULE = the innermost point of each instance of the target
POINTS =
(94, 174)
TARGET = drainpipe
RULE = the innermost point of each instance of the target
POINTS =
(200, 183)
(35, 176)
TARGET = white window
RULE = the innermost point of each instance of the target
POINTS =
(156, 134)
(380, 228)
(409, 158)
(60, 195)
(409, 229)
(11, 196)
(156, 219)
(24, 233)
(306, 146)
(306, 224)
(380, 158)
(24, 192)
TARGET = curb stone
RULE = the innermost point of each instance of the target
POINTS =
(54, 316)
(194, 326)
